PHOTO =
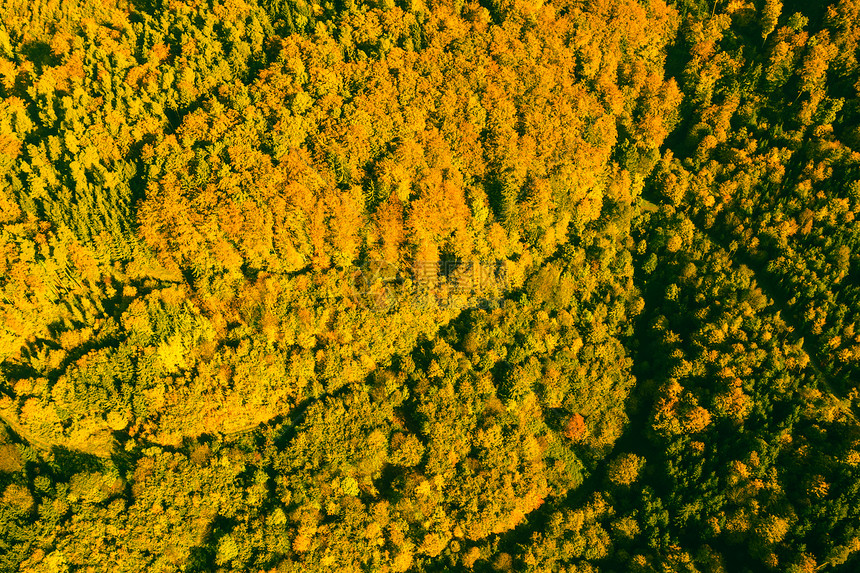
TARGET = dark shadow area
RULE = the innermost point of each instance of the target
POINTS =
(67, 463)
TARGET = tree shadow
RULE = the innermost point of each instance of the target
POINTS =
(67, 463)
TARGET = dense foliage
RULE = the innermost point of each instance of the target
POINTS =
(508, 285)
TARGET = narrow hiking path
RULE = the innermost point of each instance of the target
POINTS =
(23, 434)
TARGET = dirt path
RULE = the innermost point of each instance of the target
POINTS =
(22, 433)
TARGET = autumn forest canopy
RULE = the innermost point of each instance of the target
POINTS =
(429, 285)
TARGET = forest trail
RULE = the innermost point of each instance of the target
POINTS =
(23, 434)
